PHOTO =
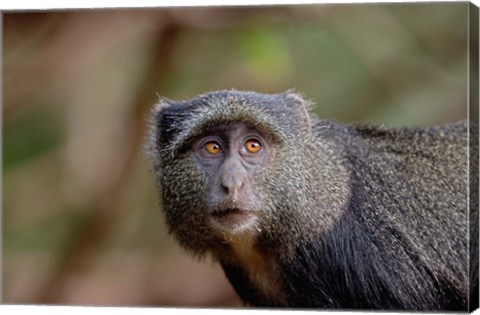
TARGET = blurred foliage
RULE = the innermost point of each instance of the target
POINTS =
(81, 223)
(31, 135)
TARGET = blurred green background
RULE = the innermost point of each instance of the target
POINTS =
(81, 221)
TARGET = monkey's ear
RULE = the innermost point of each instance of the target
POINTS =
(300, 107)
(171, 119)
(159, 125)
(162, 104)
(158, 114)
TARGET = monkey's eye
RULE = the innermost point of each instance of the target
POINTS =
(253, 146)
(212, 147)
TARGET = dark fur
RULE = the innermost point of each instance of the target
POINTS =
(355, 217)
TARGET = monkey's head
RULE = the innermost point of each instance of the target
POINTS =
(231, 163)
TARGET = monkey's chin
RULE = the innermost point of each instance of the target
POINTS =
(234, 220)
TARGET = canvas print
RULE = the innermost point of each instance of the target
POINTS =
(315, 156)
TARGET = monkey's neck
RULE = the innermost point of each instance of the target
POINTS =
(258, 270)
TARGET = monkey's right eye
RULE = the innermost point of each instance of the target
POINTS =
(212, 147)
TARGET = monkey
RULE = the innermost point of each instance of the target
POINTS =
(303, 212)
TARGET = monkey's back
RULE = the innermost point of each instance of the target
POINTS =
(402, 241)
(419, 180)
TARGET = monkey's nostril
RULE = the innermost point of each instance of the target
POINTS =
(232, 190)
(225, 189)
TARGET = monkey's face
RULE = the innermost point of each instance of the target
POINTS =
(219, 177)
(230, 157)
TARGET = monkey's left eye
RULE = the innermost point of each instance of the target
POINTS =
(253, 146)
(212, 147)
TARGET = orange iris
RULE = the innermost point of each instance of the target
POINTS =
(253, 146)
(213, 148)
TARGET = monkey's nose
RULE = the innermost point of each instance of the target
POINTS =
(233, 182)
(232, 187)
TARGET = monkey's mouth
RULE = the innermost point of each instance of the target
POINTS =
(224, 212)
(232, 218)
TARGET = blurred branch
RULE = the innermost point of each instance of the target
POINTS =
(85, 245)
